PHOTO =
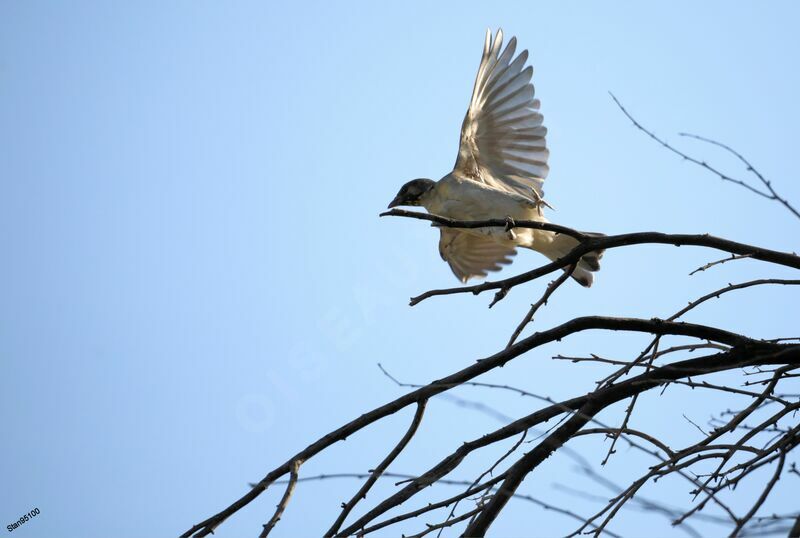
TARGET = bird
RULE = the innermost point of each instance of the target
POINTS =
(499, 172)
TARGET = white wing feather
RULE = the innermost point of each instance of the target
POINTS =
(502, 137)
(471, 255)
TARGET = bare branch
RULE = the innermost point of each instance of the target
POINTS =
(735, 358)
(770, 195)
(517, 473)
(628, 431)
(491, 223)
(795, 530)
(616, 241)
(709, 265)
(362, 492)
(553, 286)
(745, 352)
(750, 168)
(448, 523)
(732, 287)
(737, 351)
(284, 501)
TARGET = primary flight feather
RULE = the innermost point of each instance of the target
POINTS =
(499, 172)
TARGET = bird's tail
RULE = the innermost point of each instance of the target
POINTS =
(560, 245)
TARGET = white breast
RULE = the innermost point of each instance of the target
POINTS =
(464, 199)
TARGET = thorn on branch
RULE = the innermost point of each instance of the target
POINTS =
(499, 296)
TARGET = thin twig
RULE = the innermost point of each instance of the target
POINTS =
(750, 168)
(489, 471)
(763, 497)
(709, 265)
(770, 194)
(362, 492)
(632, 404)
(447, 523)
(552, 287)
(284, 500)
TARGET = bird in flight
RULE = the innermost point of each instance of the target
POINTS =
(499, 172)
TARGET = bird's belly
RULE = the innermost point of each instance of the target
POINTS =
(460, 203)
(464, 204)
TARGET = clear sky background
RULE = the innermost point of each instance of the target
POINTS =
(194, 282)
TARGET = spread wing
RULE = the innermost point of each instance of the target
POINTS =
(472, 255)
(502, 137)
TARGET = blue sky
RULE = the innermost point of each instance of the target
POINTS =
(195, 283)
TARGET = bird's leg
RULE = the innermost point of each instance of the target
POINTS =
(510, 224)
(540, 202)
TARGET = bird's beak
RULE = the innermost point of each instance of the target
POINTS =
(396, 202)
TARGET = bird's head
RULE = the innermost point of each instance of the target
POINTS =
(412, 192)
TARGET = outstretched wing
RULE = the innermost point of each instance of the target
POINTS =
(502, 137)
(472, 255)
